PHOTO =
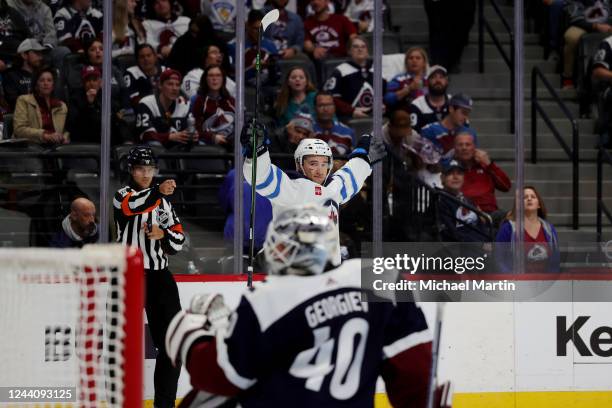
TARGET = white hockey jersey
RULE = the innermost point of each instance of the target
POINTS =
(283, 191)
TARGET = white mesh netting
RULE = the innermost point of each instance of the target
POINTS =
(62, 322)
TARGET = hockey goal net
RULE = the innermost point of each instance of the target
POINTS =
(71, 327)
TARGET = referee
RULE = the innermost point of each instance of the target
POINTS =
(145, 219)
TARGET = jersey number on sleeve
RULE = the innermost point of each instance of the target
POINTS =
(316, 363)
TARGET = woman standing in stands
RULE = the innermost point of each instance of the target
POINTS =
(40, 117)
(297, 95)
(540, 237)
(127, 29)
(214, 108)
(406, 87)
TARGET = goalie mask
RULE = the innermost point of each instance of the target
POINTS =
(312, 147)
(300, 241)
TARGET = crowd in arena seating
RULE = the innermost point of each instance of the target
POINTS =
(174, 86)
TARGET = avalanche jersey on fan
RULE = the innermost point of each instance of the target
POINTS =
(69, 23)
(422, 113)
(444, 138)
(331, 34)
(139, 84)
(150, 116)
(352, 84)
(283, 191)
(310, 341)
(603, 56)
(339, 138)
(163, 33)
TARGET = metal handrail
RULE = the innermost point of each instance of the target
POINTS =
(573, 153)
(603, 156)
(508, 59)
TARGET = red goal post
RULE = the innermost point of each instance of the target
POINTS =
(72, 320)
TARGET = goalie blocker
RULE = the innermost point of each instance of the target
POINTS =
(304, 335)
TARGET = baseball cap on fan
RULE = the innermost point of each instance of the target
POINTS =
(168, 74)
(302, 121)
(436, 68)
(89, 71)
(452, 165)
(30, 44)
(461, 100)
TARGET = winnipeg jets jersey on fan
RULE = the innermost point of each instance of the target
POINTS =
(282, 191)
(153, 123)
(313, 342)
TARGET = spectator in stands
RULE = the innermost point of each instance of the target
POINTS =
(39, 20)
(127, 29)
(338, 136)
(286, 139)
(433, 106)
(161, 119)
(540, 237)
(222, 15)
(214, 109)
(405, 88)
(585, 16)
(40, 117)
(482, 176)
(85, 111)
(458, 222)
(602, 78)
(450, 22)
(296, 95)
(360, 12)
(268, 51)
(351, 83)
(287, 33)
(263, 209)
(555, 20)
(93, 56)
(79, 227)
(442, 134)
(18, 80)
(14, 31)
(189, 48)
(427, 161)
(212, 55)
(397, 133)
(163, 27)
(327, 34)
(143, 79)
(78, 24)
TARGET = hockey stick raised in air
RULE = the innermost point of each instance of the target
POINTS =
(268, 19)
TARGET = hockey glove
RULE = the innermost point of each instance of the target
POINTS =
(206, 314)
(369, 148)
(261, 134)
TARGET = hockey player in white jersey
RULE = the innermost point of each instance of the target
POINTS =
(304, 337)
(313, 182)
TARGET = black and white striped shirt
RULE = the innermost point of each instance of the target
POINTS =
(133, 209)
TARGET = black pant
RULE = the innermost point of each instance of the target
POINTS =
(162, 304)
(450, 22)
